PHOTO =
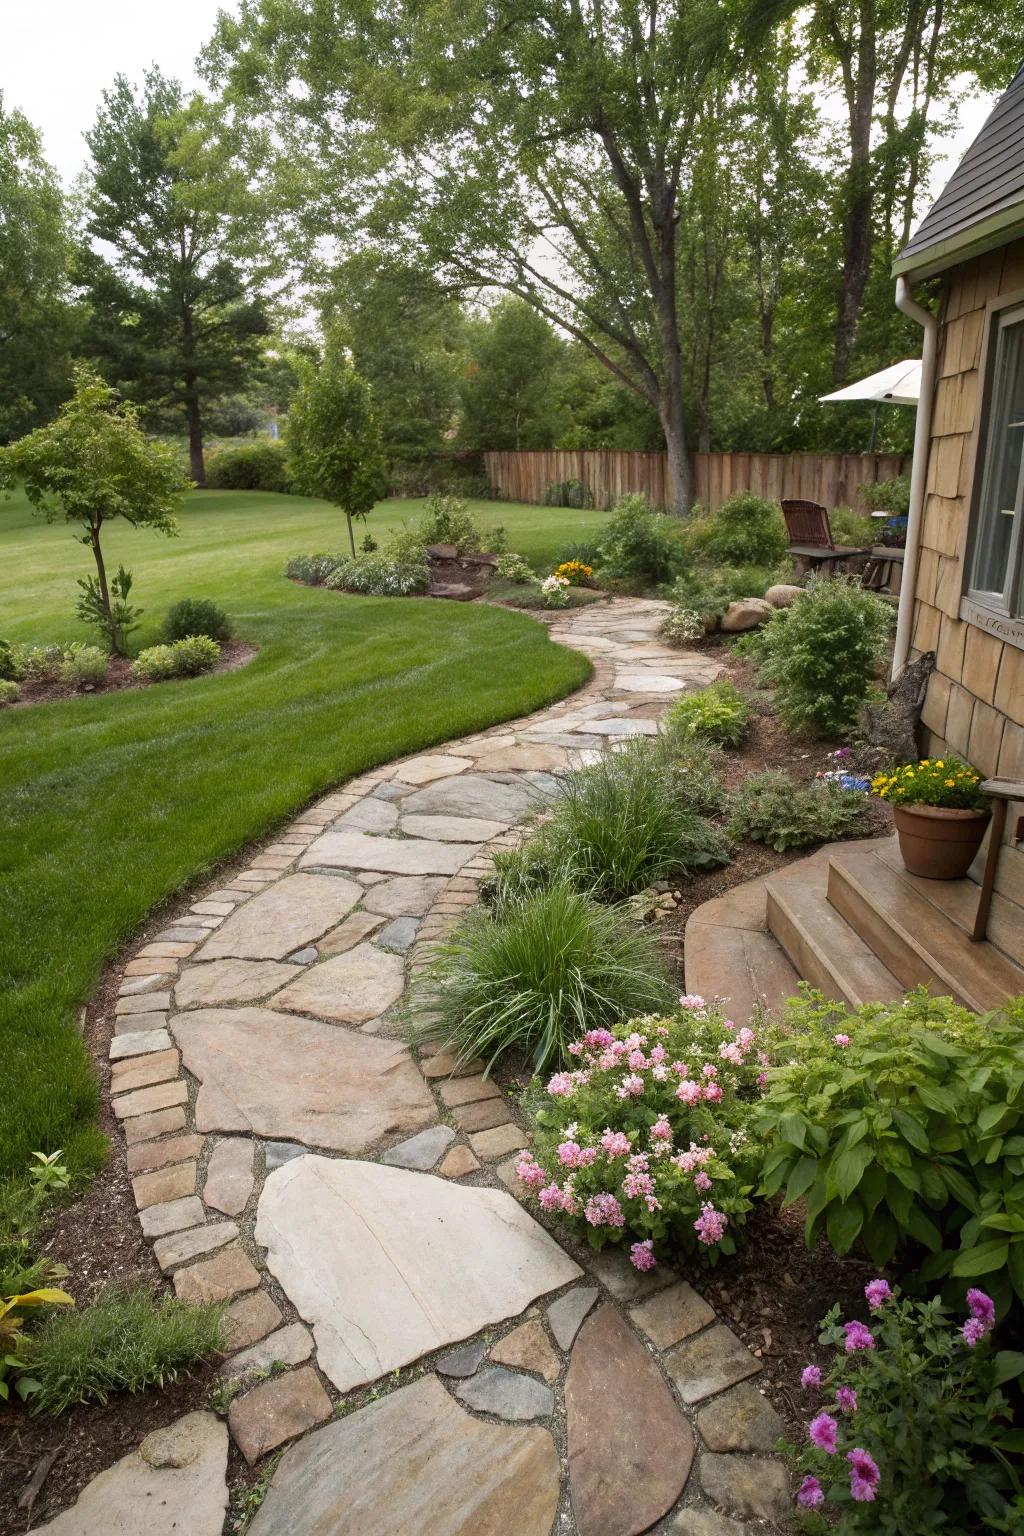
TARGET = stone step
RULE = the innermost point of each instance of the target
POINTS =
(821, 944)
(913, 934)
(729, 953)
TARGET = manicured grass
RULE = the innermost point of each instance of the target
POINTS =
(111, 803)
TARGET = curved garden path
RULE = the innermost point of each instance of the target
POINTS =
(439, 1362)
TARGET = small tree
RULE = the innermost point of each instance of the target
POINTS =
(95, 463)
(333, 439)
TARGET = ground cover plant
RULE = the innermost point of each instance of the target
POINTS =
(182, 658)
(718, 713)
(118, 784)
(773, 808)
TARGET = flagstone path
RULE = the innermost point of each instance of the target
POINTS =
(355, 1202)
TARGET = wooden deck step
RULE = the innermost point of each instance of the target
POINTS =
(913, 934)
(729, 954)
(958, 900)
(822, 946)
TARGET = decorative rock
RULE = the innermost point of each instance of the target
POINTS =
(157, 1154)
(516, 759)
(673, 1315)
(507, 1395)
(709, 1363)
(453, 829)
(566, 1315)
(458, 1163)
(228, 1272)
(392, 855)
(424, 770)
(746, 1485)
(229, 1177)
(628, 1467)
(405, 896)
(388, 1265)
(469, 1090)
(304, 956)
(749, 613)
(526, 1348)
(166, 1184)
(288, 1346)
(483, 1116)
(443, 1064)
(229, 981)
(291, 912)
(150, 1002)
(288, 1078)
(173, 1216)
(179, 1247)
(249, 1318)
(399, 935)
(782, 595)
(414, 1462)
(474, 794)
(614, 1270)
(421, 1151)
(463, 1362)
(138, 1023)
(176, 1469)
(139, 1042)
(276, 1411)
(349, 933)
(740, 1420)
(490, 1145)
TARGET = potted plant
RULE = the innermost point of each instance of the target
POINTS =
(940, 814)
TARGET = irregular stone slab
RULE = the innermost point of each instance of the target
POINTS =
(626, 1283)
(631, 725)
(414, 1462)
(740, 1420)
(507, 1395)
(463, 1362)
(673, 1315)
(443, 1064)
(228, 1272)
(565, 1316)
(370, 815)
(178, 1247)
(469, 1090)
(473, 794)
(165, 1184)
(627, 1467)
(139, 1042)
(279, 1076)
(526, 1348)
(229, 981)
(389, 1265)
(132, 1024)
(350, 988)
(249, 1318)
(406, 896)
(304, 956)
(350, 933)
(291, 912)
(150, 1002)
(399, 935)
(515, 759)
(229, 1177)
(144, 1127)
(421, 1151)
(389, 855)
(424, 770)
(484, 1115)
(156, 1154)
(709, 1363)
(159, 1067)
(704, 1522)
(177, 1474)
(143, 1100)
(746, 1485)
(288, 1346)
(453, 829)
(150, 983)
(503, 1139)
(648, 682)
(276, 1411)
(458, 1163)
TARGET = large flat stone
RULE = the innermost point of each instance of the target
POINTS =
(229, 1176)
(507, 1394)
(288, 914)
(351, 988)
(277, 1410)
(229, 1272)
(424, 770)
(740, 1420)
(229, 981)
(389, 1265)
(672, 1315)
(474, 794)
(249, 1318)
(750, 1486)
(708, 1363)
(519, 759)
(350, 933)
(172, 1483)
(390, 855)
(453, 829)
(414, 1462)
(275, 1075)
(405, 896)
(630, 1449)
(369, 815)
(290, 1345)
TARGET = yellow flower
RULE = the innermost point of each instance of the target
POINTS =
(950, 783)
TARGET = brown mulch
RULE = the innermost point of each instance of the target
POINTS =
(233, 654)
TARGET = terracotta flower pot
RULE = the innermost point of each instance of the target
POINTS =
(936, 843)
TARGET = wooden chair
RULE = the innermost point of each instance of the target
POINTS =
(1001, 792)
(810, 539)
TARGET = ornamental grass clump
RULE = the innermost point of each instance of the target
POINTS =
(912, 1433)
(536, 975)
(945, 782)
(643, 1143)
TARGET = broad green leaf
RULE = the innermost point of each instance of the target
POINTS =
(793, 1128)
(848, 1167)
(843, 1225)
(1009, 1365)
(802, 1177)
(912, 1130)
(980, 1260)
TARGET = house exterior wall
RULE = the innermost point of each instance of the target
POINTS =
(975, 701)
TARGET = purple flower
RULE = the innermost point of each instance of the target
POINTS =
(822, 1431)
(878, 1292)
(974, 1331)
(863, 1475)
(846, 1400)
(841, 1040)
(642, 1254)
(810, 1494)
(982, 1307)
(858, 1336)
(810, 1376)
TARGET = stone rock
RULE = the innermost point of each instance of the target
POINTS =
(748, 613)
(483, 1115)
(178, 1247)
(304, 956)
(435, 1063)
(143, 1100)
(226, 1274)
(507, 1395)
(626, 1283)
(644, 681)
(672, 1315)
(164, 1184)
(249, 1318)
(139, 1042)
(277, 1410)
(414, 1462)
(704, 1522)
(421, 1151)
(740, 1420)
(157, 1154)
(350, 933)
(389, 1265)
(369, 815)
(133, 1024)
(133, 985)
(709, 1363)
(172, 1216)
(175, 1470)
(526, 1348)
(288, 1346)
(159, 1067)
(424, 770)
(277, 1153)
(565, 1316)
(145, 1127)
(229, 1177)
(469, 1090)
(288, 914)
(458, 1163)
(281, 1077)
(748, 1486)
(453, 829)
(350, 988)
(399, 935)
(627, 1467)
(492, 1144)
(474, 794)
(782, 595)
(390, 855)
(406, 896)
(150, 1002)
(463, 1362)
(518, 759)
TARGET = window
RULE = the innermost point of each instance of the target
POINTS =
(995, 579)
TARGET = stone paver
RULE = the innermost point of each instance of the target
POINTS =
(746, 1485)
(230, 1176)
(484, 1115)
(403, 896)
(399, 935)
(507, 1395)
(165, 1184)
(474, 794)
(740, 1420)
(249, 1318)
(288, 914)
(463, 1362)
(526, 1348)
(422, 1151)
(565, 1316)
(496, 1143)
(228, 1272)
(290, 1345)
(708, 1363)
(277, 1410)
(452, 829)
(229, 981)
(672, 1315)
(349, 933)
(172, 1216)
(458, 1163)
(350, 988)
(703, 1522)
(144, 1100)
(469, 1090)
(159, 1067)
(424, 770)
(139, 1042)
(393, 855)
(157, 1154)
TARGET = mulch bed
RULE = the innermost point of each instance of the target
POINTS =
(233, 654)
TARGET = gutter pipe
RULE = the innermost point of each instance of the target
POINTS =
(906, 302)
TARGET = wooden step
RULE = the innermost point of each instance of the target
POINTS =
(913, 936)
(728, 953)
(822, 946)
(958, 899)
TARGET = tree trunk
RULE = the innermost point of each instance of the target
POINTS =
(351, 535)
(197, 469)
(679, 480)
(101, 574)
(856, 226)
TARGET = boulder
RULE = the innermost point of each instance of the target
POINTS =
(748, 613)
(783, 595)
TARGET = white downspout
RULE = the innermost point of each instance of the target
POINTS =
(919, 468)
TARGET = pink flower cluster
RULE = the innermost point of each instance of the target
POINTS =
(710, 1224)
(982, 1319)
(823, 1433)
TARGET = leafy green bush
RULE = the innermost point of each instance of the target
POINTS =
(854, 528)
(548, 967)
(250, 467)
(380, 576)
(126, 1341)
(888, 495)
(710, 589)
(9, 691)
(586, 551)
(718, 713)
(902, 1124)
(773, 808)
(313, 570)
(39, 663)
(821, 654)
(447, 520)
(6, 660)
(639, 547)
(698, 767)
(185, 658)
(84, 664)
(196, 616)
(746, 530)
(514, 568)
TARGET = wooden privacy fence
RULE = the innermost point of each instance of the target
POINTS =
(833, 479)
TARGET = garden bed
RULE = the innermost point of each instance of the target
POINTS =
(233, 654)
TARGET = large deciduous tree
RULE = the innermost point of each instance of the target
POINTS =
(509, 391)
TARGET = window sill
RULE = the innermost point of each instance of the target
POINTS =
(992, 622)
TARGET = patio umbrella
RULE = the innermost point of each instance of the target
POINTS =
(899, 384)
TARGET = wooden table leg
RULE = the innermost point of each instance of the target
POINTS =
(988, 879)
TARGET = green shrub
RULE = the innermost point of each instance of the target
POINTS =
(185, 658)
(698, 767)
(114, 616)
(407, 546)
(495, 539)
(888, 496)
(250, 467)
(514, 568)
(710, 589)
(902, 1124)
(126, 1341)
(549, 967)
(6, 660)
(447, 520)
(718, 713)
(84, 664)
(313, 570)
(37, 663)
(380, 576)
(773, 808)
(855, 528)
(155, 664)
(9, 691)
(639, 547)
(746, 530)
(682, 626)
(196, 616)
(568, 493)
(822, 653)
(586, 551)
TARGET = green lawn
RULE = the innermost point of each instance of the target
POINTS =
(112, 803)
